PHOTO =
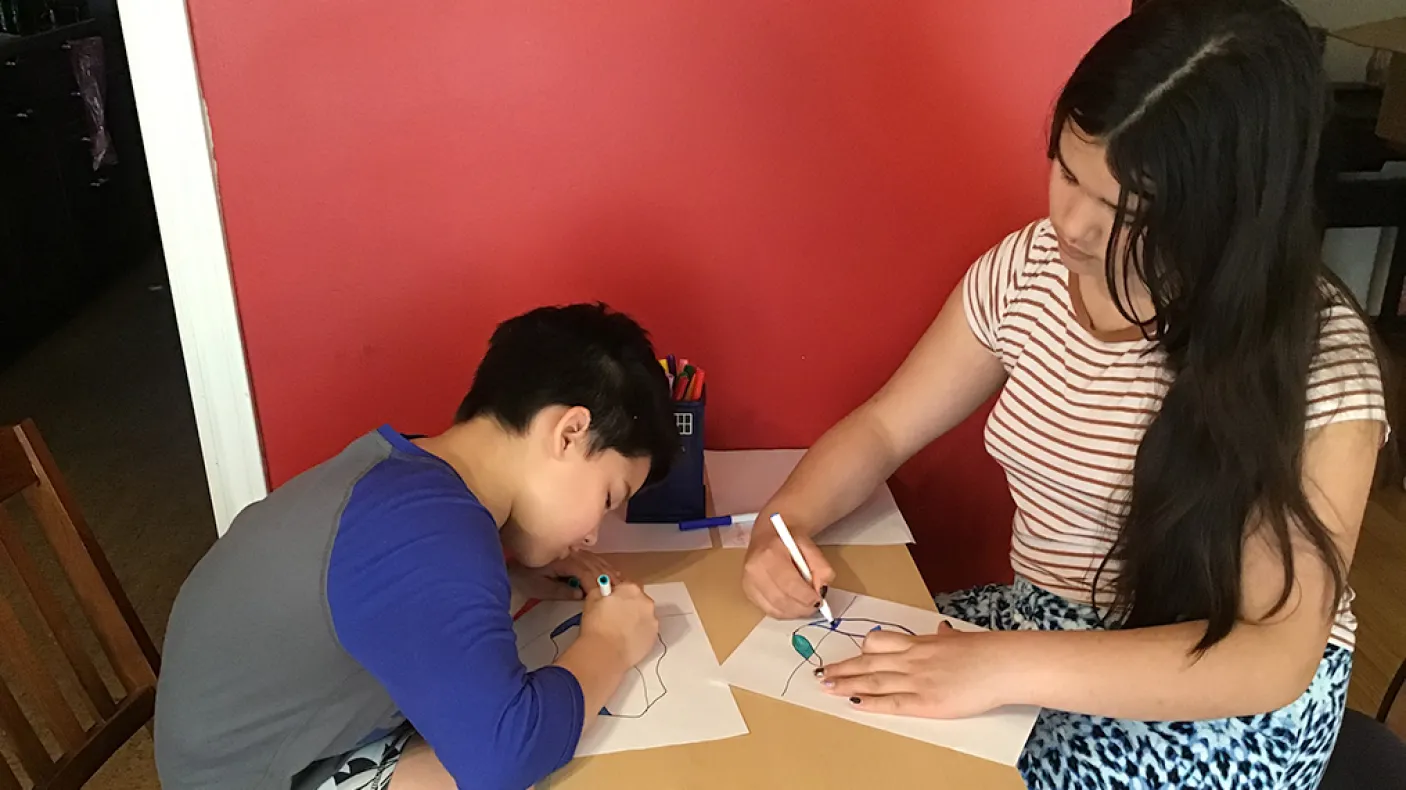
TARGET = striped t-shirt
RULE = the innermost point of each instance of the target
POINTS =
(1076, 404)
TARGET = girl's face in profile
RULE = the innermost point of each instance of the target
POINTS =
(1083, 203)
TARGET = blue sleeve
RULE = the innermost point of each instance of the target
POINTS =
(419, 596)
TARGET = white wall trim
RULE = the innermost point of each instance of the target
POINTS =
(180, 159)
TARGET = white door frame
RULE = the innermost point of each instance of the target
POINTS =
(181, 162)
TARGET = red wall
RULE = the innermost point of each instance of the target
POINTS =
(781, 191)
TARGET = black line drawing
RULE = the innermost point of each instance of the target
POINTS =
(651, 698)
(810, 651)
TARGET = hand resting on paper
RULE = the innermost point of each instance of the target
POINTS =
(771, 580)
(947, 675)
(547, 583)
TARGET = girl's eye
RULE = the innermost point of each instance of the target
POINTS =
(1067, 176)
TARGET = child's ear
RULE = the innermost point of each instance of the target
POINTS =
(573, 429)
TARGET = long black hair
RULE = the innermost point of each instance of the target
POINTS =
(1211, 113)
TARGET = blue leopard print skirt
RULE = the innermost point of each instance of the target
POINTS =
(1286, 749)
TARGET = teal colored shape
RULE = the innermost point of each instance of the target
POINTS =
(802, 646)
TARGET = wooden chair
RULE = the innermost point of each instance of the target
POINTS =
(27, 472)
(1389, 700)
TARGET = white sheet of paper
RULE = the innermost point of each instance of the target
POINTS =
(676, 695)
(771, 662)
(743, 480)
(618, 536)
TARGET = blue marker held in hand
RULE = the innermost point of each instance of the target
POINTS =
(604, 582)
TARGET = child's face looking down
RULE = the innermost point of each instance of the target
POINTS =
(566, 489)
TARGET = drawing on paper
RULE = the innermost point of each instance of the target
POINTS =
(852, 629)
(645, 688)
(675, 695)
(776, 660)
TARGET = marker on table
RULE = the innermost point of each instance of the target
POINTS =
(790, 544)
(604, 582)
(717, 521)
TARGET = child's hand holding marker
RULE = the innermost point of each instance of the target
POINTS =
(618, 629)
(565, 579)
(622, 616)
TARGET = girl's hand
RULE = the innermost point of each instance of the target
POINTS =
(948, 675)
(771, 580)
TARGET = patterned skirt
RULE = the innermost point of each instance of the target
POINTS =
(370, 766)
(1285, 749)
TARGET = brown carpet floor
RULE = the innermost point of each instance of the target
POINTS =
(109, 394)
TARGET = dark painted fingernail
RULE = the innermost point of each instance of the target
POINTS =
(819, 672)
(854, 700)
(815, 605)
(824, 591)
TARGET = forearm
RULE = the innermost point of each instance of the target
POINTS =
(598, 668)
(1149, 674)
(946, 376)
(836, 475)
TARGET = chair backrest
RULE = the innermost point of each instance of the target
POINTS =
(28, 473)
(1392, 711)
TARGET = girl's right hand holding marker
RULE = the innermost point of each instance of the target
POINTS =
(771, 579)
(624, 619)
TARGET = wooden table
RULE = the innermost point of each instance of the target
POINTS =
(788, 746)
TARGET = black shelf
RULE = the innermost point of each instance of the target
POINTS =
(14, 45)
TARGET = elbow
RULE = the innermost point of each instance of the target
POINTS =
(500, 769)
(1290, 677)
(524, 739)
(1297, 680)
(491, 778)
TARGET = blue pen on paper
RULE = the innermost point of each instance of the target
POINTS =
(717, 521)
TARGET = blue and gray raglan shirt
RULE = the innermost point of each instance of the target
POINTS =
(365, 592)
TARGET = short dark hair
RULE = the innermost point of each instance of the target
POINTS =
(579, 355)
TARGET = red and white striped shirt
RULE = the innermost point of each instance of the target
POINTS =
(1073, 411)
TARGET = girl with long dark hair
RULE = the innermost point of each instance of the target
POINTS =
(1189, 414)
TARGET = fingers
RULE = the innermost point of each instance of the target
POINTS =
(587, 566)
(772, 582)
(763, 592)
(862, 665)
(876, 683)
(887, 642)
(902, 704)
(553, 591)
(802, 598)
(798, 596)
(820, 571)
(787, 596)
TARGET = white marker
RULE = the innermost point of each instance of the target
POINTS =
(604, 582)
(800, 561)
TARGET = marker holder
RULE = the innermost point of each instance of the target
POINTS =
(680, 496)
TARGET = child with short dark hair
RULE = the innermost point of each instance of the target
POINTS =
(364, 605)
